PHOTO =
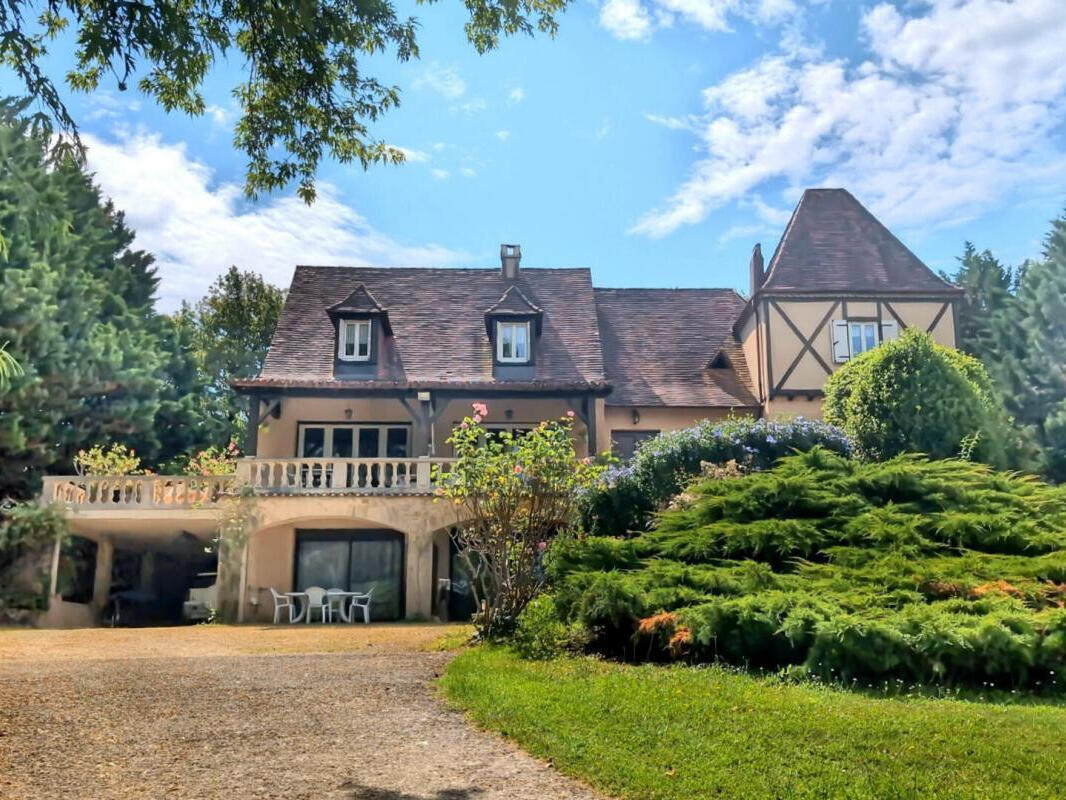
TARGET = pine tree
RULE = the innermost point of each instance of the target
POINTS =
(75, 308)
(1042, 310)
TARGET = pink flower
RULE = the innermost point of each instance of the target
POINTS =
(464, 425)
(586, 460)
(481, 409)
(517, 469)
(542, 546)
(570, 414)
(477, 418)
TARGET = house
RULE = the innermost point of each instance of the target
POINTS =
(371, 368)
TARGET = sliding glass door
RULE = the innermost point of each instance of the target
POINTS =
(356, 561)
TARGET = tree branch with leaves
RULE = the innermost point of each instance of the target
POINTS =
(306, 94)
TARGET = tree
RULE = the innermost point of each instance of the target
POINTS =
(76, 305)
(9, 367)
(1042, 312)
(988, 320)
(306, 92)
(913, 395)
(513, 494)
(235, 322)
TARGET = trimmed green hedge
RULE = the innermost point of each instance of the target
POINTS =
(663, 465)
(927, 571)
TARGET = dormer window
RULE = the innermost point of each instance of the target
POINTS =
(354, 340)
(512, 342)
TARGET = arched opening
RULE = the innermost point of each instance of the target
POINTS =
(355, 560)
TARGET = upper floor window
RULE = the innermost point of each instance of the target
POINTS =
(354, 344)
(852, 337)
(512, 342)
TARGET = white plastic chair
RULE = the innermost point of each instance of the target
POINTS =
(317, 599)
(361, 601)
(335, 603)
(282, 601)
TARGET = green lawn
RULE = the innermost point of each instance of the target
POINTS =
(683, 732)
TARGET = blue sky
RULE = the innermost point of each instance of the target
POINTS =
(653, 140)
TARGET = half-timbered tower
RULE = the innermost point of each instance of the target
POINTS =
(838, 284)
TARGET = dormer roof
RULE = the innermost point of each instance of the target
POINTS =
(359, 303)
(513, 303)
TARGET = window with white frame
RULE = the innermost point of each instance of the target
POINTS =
(354, 344)
(852, 337)
(512, 342)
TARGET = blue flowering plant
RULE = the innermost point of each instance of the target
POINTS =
(663, 466)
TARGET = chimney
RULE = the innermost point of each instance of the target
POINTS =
(756, 266)
(510, 256)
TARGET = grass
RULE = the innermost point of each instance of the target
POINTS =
(683, 732)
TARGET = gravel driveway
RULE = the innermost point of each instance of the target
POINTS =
(113, 715)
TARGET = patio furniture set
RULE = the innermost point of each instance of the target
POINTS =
(326, 603)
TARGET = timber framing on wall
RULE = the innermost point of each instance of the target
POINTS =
(838, 307)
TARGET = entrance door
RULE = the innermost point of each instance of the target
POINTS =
(356, 561)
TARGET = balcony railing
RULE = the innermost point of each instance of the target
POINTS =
(332, 475)
(295, 476)
(136, 491)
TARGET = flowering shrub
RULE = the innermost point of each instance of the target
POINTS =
(664, 465)
(214, 461)
(116, 459)
(513, 495)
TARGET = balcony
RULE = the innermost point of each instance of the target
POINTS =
(304, 476)
(267, 476)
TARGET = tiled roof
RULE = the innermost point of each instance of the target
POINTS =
(438, 326)
(359, 301)
(658, 343)
(833, 244)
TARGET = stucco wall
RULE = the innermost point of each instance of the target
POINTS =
(813, 320)
(278, 437)
(271, 548)
(652, 418)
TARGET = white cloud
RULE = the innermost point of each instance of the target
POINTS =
(197, 227)
(413, 156)
(517, 95)
(633, 19)
(443, 80)
(468, 172)
(471, 106)
(626, 19)
(440, 174)
(503, 136)
(953, 110)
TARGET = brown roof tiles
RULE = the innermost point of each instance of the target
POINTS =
(833, 244)
(658, 343)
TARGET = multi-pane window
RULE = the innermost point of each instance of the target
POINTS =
(863, 336)
(354, 342)
(512, 342)
(851, 337)
(354, 441)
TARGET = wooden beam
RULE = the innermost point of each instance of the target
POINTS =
(251, 434)
(805, 341)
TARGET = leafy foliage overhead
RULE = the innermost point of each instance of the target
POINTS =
(929, 571)
(307, 92)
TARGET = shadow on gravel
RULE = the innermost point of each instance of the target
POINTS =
(358, 792)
